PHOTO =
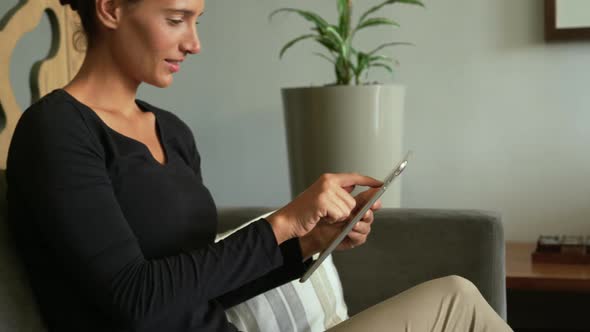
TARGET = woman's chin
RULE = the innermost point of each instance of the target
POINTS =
(161, 82)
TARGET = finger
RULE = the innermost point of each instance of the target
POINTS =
(346, 243)
(362, 228)
(347, 198)
(344, 201)
(350, 179)
(349, 189)
(338, 210)
(366, 195)
(368, 217)
(357, 239)
(377, 205)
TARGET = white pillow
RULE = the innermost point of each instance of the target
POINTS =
(316, 305)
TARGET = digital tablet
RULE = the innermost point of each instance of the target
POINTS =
(358, 216)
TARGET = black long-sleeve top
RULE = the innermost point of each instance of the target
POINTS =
(112, 240)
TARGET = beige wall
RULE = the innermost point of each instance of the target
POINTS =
(498, 119)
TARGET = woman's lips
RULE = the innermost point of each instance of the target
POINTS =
(173, 65)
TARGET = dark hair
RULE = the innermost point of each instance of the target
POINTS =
(86, 9)
(72, 3)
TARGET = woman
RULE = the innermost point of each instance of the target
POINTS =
(113, 221)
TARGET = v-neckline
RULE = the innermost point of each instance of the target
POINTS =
(159, 133)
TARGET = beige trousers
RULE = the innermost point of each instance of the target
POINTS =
(446, 304)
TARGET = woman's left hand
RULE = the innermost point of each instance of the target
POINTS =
(322, 235)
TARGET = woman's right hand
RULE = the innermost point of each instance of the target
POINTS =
(326, 199)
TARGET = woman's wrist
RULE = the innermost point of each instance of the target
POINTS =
(309, 247)
(280, 227)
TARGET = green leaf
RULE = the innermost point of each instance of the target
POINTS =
(333, 32)
(342, 6)
(388, 2)
(343, 47)
(383, 65)
(342, 71)
(292, 42)
(375, 21)
(344, 12)
(376, 58)
(330, 38)
(363, 63)
(380, 47)
(328, 43)
(321, 55)
(362, 60)
(337, 39)
(412, 2)
(320, 23)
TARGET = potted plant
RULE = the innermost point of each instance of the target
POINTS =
(350, 125)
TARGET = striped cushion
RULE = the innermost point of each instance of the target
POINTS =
(315, 305)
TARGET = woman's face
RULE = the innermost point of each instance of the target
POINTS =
(154, 36)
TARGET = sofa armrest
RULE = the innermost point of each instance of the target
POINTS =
(410, 246)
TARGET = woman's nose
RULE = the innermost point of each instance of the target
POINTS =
(192, 44)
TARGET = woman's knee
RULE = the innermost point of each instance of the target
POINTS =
(458, 285)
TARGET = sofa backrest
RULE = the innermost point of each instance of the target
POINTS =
(18, 310)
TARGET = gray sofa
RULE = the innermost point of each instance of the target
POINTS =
(405, 248)
(410, 246)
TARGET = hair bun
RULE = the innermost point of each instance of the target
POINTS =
(73, 3)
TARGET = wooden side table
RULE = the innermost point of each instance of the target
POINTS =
(545, 297)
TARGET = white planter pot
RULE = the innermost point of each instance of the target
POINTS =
(344, 129)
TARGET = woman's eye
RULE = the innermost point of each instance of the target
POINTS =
(174, 22)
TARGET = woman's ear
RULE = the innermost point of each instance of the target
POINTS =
(108, 13)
